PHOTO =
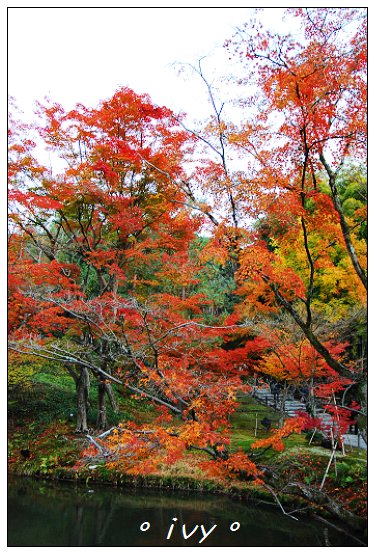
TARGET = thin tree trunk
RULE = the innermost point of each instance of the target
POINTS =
(101, 421)
(312, 338)
(112, 398)
(82, 388)
(343, 223)
(311, 398)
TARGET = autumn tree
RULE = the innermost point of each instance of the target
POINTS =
(104, 280)
(304, 140)
(88, 233)
(308, 127)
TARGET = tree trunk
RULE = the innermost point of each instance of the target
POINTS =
(311, 398)
(82, 388)
(284, 394)
(323, 499)
(363, 399)
(112, 398)
(343, 223)
(312, 338)
(101, 421)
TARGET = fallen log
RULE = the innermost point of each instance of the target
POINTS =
(321, 498)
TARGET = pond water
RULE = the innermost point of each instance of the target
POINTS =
(42, 513)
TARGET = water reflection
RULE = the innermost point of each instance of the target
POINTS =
(50, 514)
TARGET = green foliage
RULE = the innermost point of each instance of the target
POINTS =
(352, 186)
(348, 473)
(43, 403)
(20, 375)
(50, 395)
(216, 282)
(89, 280)
(314, 436)
(22, 370)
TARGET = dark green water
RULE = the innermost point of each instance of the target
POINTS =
(61, 514)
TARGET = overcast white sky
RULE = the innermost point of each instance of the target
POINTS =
(84, 54)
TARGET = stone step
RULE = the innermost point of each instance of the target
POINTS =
(292, 407)
(354, 441)
(294, 401)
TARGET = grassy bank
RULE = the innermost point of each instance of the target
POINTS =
(42, 443)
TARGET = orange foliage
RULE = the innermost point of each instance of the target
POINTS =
(275, 441)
